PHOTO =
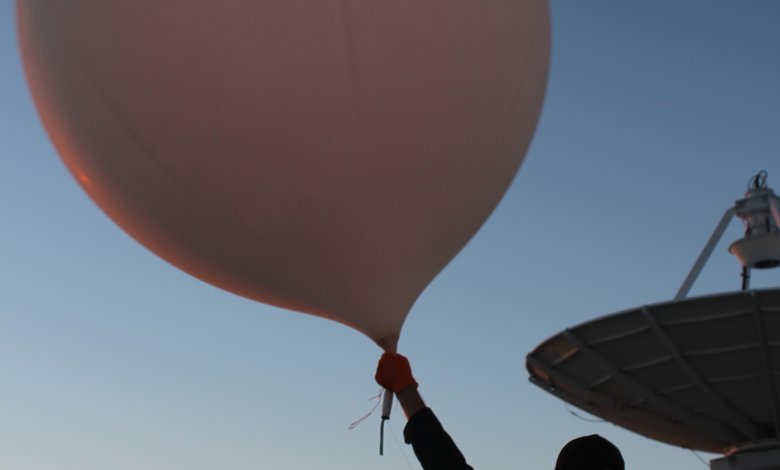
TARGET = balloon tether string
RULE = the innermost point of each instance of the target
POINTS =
(378, 399)
(356, 423)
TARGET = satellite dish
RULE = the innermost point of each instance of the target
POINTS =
(701, 373)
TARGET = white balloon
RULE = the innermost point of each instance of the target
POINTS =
(325, 156)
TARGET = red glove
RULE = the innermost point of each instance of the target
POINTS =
(394, 372)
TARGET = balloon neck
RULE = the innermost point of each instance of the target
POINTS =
(388, 343)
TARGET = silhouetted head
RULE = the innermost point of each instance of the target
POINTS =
(589, 453)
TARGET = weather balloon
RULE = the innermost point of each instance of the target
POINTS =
(328, 157)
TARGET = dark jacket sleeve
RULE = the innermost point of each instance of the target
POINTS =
(432, 445)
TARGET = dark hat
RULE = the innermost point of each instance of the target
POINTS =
(589, 453)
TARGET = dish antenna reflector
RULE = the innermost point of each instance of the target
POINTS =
(701, 373)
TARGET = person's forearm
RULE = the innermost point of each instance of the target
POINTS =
(410, 400)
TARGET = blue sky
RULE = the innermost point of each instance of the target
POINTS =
(657, 114)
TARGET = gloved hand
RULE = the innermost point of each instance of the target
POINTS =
(394, 372)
